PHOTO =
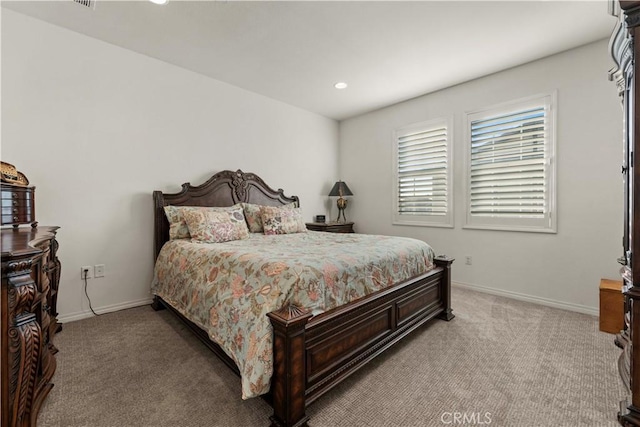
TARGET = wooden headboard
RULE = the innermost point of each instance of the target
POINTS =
(225, 188)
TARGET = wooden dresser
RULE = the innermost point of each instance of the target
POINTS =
(30, 278)
(625, 47)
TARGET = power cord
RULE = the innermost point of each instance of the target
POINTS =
(85, 292)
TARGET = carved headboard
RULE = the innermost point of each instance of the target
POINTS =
(225, 188)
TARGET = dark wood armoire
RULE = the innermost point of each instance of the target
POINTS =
(624, 46)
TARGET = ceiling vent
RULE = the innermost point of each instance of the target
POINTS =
(91, 4)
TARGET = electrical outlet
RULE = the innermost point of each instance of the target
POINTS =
(85, 272)
(468, 260)
(98, 270)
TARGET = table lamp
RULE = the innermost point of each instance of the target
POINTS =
(340, 189)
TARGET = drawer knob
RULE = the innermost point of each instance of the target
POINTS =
(15, 218)
(14, 195)
(15, 203)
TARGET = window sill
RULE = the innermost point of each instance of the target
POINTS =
(422, 224)
(511, 228)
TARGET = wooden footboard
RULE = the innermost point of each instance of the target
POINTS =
(312, 355)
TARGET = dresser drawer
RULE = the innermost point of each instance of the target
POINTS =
(21, 215)
(14, 192)
(15, 207)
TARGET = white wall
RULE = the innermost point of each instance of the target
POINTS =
(560, 269)
(96, 128)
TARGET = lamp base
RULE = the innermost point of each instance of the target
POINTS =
(344, 218)
(342, 205)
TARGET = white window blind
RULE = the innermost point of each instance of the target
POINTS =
(423, 178)
(510, 175)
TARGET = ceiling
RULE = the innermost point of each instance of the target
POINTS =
(295, 51)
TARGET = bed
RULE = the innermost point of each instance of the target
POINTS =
(314, 343)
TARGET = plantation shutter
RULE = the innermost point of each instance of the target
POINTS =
(422, 172)
(509, 165)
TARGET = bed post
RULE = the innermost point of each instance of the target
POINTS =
(289, 369)
(157, 303)
(445, 262)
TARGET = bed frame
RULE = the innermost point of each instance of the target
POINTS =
(312, 354)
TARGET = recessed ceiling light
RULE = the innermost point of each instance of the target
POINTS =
(159, 1)
(340, 85)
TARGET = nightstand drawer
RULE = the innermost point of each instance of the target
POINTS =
(331, 227)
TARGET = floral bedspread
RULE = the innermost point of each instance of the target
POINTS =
(228, 288)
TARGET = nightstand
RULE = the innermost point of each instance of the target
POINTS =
(331, 227)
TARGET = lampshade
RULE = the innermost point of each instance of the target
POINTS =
(340, 189)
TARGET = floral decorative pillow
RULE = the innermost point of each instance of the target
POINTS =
(254, 218)
(178, 226)
(211, 226)
(282, 220)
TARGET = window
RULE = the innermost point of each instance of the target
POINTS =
(510, 167)
(422, 171)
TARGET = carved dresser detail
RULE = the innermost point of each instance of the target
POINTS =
(30, 278)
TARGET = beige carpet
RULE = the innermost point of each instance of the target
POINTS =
(504, 362)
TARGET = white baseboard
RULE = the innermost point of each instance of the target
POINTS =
(584, 309)
(79, 315)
